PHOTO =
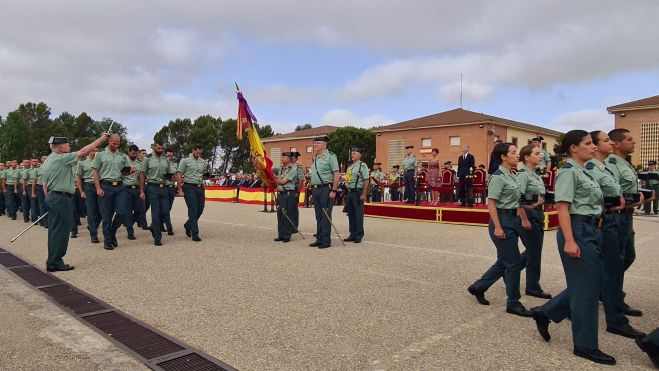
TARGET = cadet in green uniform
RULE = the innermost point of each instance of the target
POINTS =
(579, 203)
(132, 184)
(23, 180)
(625, 175)
(153, 171)
(394, 181)
(378, 178)
(189, 177)
(11, 188)
(357, 183)
(652, 184)
(32, 191)
(58, 175)
(504, 227)
(324, 186)
(41, 195)
(532, 189)
(2, 188)
(295, 216)
(287, 181)
(87, 188)
(108, 166)
(545, 163)
(409, 172)
(170, 183)
(612, 263)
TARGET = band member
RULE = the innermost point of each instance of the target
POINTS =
(611, 255)
(135, 203)
(324, 184)
(409, 172)
(108, 166)
(153, 171)
(378, 178)
(189, 177)
(394, 183)
(625, 175)
(59, 179)
(85, 183)
(466, 162)
(652, 184)
(287, 181)
(532, 189)
(357, 182)
(503, 203)
(579, 203)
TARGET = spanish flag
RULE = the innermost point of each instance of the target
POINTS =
(247, 123)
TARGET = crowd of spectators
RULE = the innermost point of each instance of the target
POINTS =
(236, 180)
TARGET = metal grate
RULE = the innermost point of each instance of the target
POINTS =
(190, 362)
(136, 337)
(9, 261)
(73, 299)
(36, 277)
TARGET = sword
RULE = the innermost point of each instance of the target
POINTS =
(28, 228)
(332, 224)
(110, 128)
(290, 221)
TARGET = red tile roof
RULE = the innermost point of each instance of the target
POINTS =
(302, 134)
(645, 103)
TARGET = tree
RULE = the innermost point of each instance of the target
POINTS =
(205, 132)
(234, 154)
(344, 139)
(303, 127)
(26, 131)
(175, 135)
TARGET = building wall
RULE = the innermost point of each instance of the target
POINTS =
(300, 145)
(647, 144)
(524, 136)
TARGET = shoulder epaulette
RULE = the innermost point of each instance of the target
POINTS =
(521, 170)
(590, 166)
(567, 166)
(498, 172)
(150, 155)
(612, 160)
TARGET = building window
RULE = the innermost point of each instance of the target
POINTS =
(454, 141)
(426, 142)
(309, 149)
(514, 141)
(293, 149)
(275, 155)
(395, 153)
(496, 138)
(649, 142)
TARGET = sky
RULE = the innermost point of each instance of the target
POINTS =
(556, 64)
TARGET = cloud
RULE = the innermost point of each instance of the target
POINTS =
(342, 117)
(471, 92)
(284, 95)
(587, 119)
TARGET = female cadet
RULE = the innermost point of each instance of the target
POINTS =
(502, 203)
(613, 265)
(532, 189)
(579, 205)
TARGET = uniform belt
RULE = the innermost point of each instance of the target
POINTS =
(507, 211)
(89, 183)
(613, 212)
(592, 219)
(170, 185)
(289, 191)
(316, 186)
(133, 186)
(198, 185)
(409, 170)
(154, 184)
(65, 194)
(355, 189)
(112, 183)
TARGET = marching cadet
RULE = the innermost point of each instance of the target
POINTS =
(189, 176)
(87, 189)
(545, 163)
(653, 185)
(504, 227)
(170, 184)
(532, 189)
(300, 185)
(324, 186)
(287, 182)
(2, 187)
(579, 203)
(108, 166)
(394, 179)
(23, 178)
(59, 179)
(32, 191)
(378, 178)
(10, 180)
(153, 171)
(409, 172)
(625, 175)
(135, 204)
(357, 182)
(41, 195)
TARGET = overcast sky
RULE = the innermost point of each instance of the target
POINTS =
(557, 64)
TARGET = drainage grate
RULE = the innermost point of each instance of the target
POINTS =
(136, 337)
(73, 299)
(36, 277)
(190, 362)
(9, 261)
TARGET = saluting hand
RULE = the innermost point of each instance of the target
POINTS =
(572, 250)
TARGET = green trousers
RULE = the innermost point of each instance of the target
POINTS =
(286, 203)
(533, 240)
(60, 222)
(355, 208)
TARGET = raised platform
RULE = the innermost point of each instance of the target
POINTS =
(450, 213)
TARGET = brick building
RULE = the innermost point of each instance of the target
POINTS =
(300, 141)
(641, 118)
(449, 131)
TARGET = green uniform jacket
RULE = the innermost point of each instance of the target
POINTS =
(358, 173)
(192, 169)
(324, 165)
(502, 187)
(155, 167)
(529, 182)
(583, 193)
(58, 172)
(603, 177)
(85, 170)
(109, 165)
(623, 173)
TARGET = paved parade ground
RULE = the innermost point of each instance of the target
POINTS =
(396, 301)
